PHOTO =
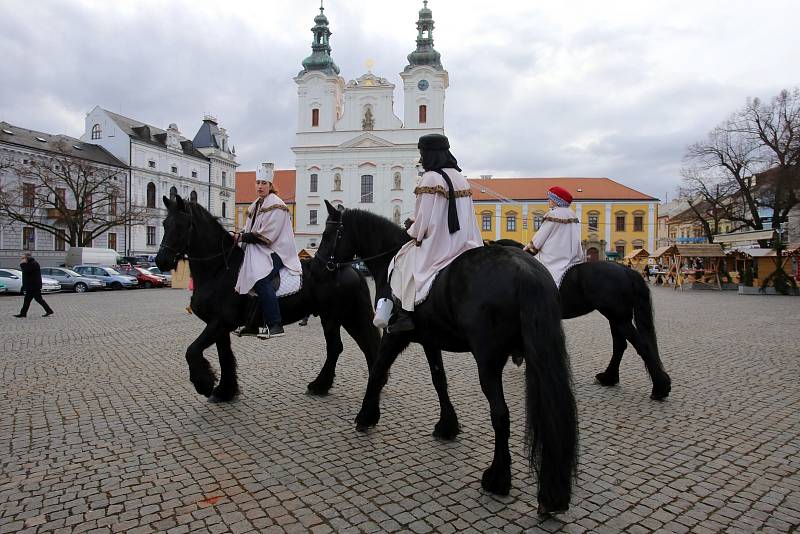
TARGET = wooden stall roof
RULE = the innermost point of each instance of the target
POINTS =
(661, 251)
(708, 250)
(635, 254)
(752, 252)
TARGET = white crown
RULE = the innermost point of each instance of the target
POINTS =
(265, 172)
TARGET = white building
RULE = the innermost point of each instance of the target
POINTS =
(164, 163)
(21, 148)
(350, 146)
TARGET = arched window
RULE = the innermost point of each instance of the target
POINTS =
(337, 182)
(224, 210)
(366, 188)
(313, 183)
(97, 132)
(398, 181)
(315, 117)
(396, 215)
(193, 196)
(423, 114)
(173, 192)
(151, 195)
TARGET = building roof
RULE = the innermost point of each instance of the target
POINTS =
(246, 185)
(208, 136)
(582, 189)
(147, 133)
(57, 144)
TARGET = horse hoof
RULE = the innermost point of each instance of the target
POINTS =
(204, 386)
(367, 418)
(605, 380)
(545, 511)
(659, 395)
(319, 388)
(446, 431)
(495, 481)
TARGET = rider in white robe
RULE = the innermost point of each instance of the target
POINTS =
(557, 243)
(269, 245)
(444, 227)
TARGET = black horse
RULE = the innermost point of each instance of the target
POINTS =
(490, 301)
(622, 296)
(341, 300)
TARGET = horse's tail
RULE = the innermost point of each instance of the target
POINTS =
(552, 426)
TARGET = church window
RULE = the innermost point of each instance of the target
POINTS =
(366, 188)
(423, 114)
(486, 221)
(315, 117)
(511, 222)
(396, 215)
(337, 182)
(312, 216)
(313, 183)
(151, 195)
(97, 132)
(398, 181)
(224, 210)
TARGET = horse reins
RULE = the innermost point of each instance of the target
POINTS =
(185, 253)
(333, 265)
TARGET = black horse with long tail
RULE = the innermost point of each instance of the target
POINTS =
(491, 301)
(621, 295)
(340, 299)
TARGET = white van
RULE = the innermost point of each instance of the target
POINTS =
(91, 256)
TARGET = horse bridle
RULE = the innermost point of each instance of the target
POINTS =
(332, 265)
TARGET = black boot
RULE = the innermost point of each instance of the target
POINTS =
(403, 322)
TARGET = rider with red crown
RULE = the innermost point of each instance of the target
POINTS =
(444, 227)
(269, 246)
(557, 243)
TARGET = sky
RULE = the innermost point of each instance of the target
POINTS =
(608, 88)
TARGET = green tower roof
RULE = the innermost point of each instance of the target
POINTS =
(425, 54)
(320, 58)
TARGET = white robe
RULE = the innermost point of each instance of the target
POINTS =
(273, 225)
(558, 242)
(414, 268)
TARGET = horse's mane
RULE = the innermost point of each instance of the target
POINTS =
(202, 215)
(377, 226)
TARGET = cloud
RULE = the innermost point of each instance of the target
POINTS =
(616, 89)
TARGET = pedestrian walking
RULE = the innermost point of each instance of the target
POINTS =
(32, 285)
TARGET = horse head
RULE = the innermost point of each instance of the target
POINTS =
(336, 244)
(177, 232)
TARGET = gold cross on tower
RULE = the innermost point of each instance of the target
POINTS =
(369, 64)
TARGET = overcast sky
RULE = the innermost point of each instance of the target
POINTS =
(576, 88)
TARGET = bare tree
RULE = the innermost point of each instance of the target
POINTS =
(747, 163)
(71, 198)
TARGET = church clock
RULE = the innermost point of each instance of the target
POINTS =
(423, 85)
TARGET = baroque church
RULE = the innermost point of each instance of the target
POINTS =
(350, 146)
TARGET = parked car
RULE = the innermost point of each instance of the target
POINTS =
(71, 280)
(12, 279)
(3, 288)
(146, 278)
(167, 275)
(112, 278)
(133, 260)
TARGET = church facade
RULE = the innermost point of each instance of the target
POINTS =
(350, 146)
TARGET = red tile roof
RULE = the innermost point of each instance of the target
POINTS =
(582, 189)
(246, 185)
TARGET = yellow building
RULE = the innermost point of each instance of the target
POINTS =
(614, 219)
(284, 182)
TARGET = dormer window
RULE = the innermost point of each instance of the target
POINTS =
(315, 117)
(97, 132)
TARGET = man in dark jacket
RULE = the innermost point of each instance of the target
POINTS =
(32, 285)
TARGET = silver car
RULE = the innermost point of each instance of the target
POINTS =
(110, 277)
(12, 279)
(71, 280)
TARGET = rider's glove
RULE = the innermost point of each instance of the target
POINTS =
(249, 237)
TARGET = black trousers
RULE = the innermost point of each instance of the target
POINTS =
(37, 296)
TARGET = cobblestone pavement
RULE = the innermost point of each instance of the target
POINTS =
(101, 430)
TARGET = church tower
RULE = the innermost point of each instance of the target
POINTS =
(424, 79)
(319, 86)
